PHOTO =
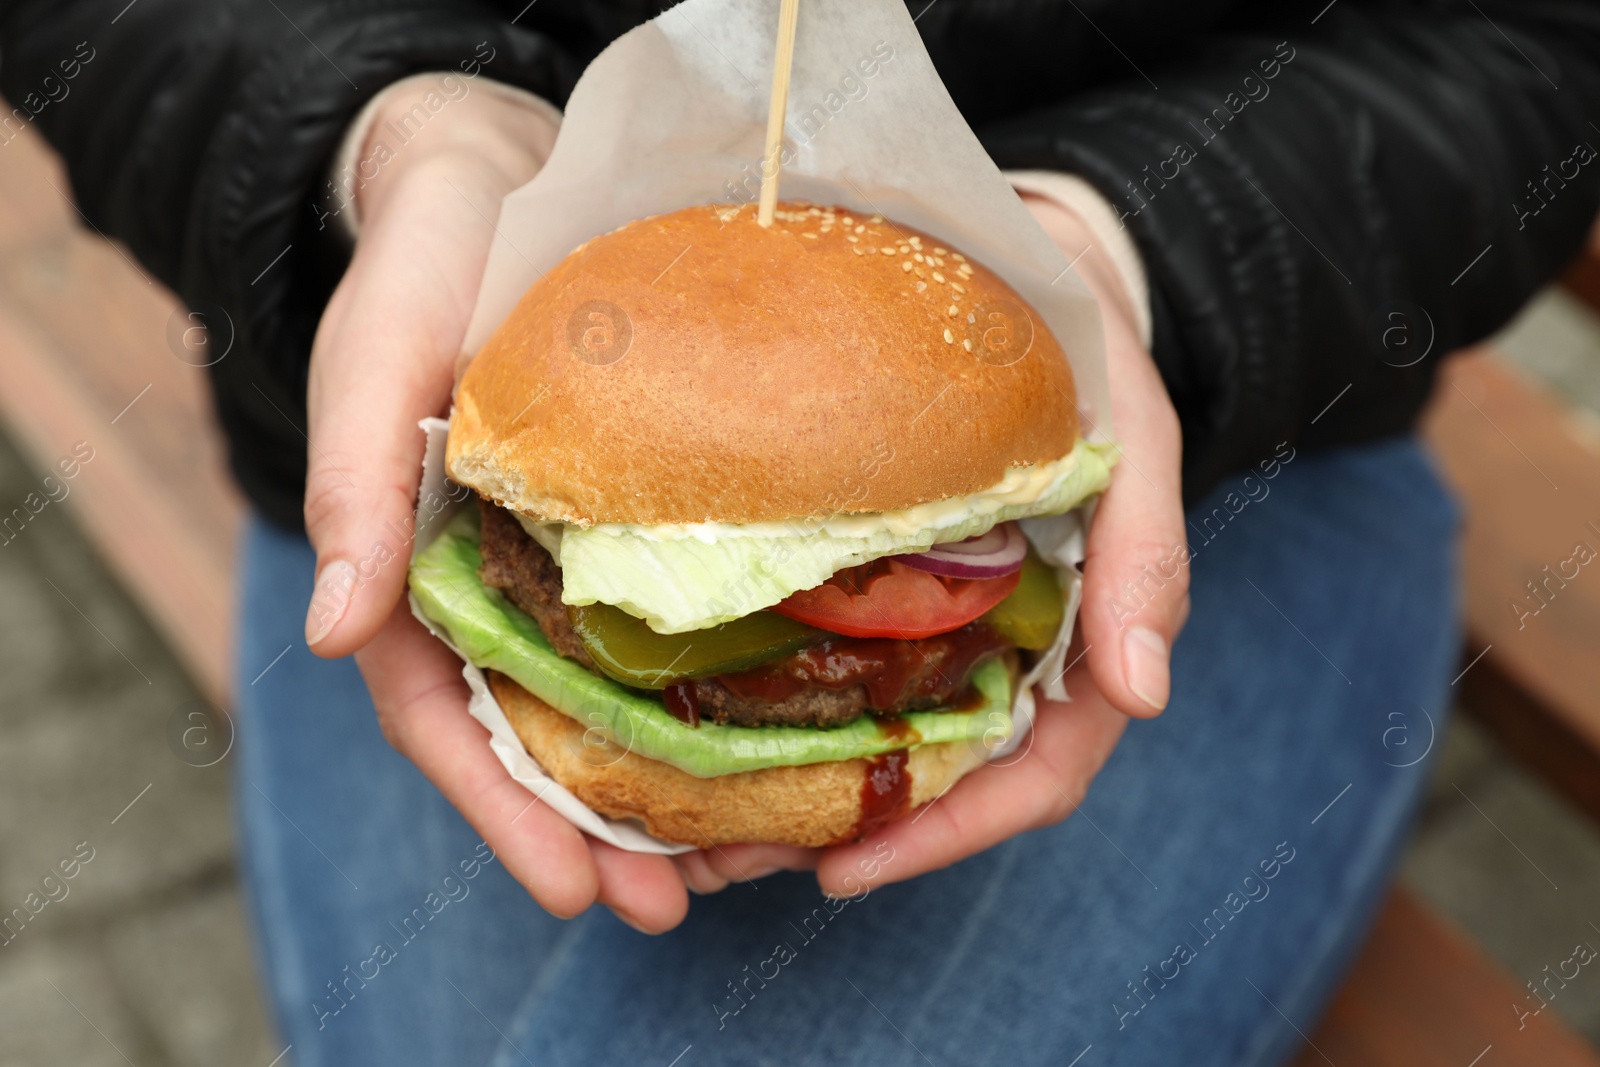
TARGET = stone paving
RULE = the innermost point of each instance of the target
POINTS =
(1524, 884)
(141, 955)
(144, 958)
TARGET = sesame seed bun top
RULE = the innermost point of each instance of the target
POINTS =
(697, 367)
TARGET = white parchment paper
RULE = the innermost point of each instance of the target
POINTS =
(673, 114)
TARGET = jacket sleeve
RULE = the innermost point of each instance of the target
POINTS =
(1325, 210)
(199, 133)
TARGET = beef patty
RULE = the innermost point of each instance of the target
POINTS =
(520, 568)
(523, 571)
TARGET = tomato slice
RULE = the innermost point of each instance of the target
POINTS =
(887, 598)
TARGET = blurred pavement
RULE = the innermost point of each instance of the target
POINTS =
(143, 955)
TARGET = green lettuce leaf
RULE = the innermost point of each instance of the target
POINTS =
(495, 634)
(687, 583)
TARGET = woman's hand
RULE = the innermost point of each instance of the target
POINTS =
(1135, 600)
(384, 357)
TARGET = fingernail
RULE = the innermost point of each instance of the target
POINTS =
(631, 921)
(1144, 657)
(704, 885)
(335, 584)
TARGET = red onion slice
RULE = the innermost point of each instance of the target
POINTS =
(998, 552)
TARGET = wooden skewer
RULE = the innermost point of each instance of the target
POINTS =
(782, 63)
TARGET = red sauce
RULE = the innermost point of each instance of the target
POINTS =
(681, 699)
(926, 672)
(885, 792)
(971, 700)
(897, 729)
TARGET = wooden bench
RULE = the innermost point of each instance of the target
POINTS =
(1528, 471)
(84, 357)
(1421, 995)
(83, 344)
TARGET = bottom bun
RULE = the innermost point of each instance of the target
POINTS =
(811, 805)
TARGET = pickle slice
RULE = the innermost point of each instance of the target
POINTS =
(627, 650)
(1031, 616)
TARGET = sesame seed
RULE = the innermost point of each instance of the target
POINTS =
(876, 218)
(919, 273)
(971, 317)
(848, 221)
(886, 250)
(852, 238)
(938, 251)
(905, 250)
(938, 277)
(957, 288)
(953, 310)
(922, 286)
(949, 338)
(905, 265)
(960, 258)
(857, 251)
(826, 229)
(859, 229)
(917, 257)
(810, 235)
(916, 242)
(966, 342)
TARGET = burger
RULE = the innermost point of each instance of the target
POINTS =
(748, 560)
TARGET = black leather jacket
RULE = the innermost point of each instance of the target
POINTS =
(1310, 183)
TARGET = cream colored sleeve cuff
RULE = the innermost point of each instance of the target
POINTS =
(350, 170)
(1112, 237)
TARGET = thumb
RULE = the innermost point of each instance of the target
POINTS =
(1136, 560)
(383, 359)
(366, 455)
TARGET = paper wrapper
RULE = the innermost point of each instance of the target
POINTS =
(673, 114)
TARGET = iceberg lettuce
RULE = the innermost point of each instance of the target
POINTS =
(692, 577)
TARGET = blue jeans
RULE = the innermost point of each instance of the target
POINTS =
(1199, 907)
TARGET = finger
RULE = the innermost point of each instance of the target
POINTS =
(746, 863)
(1136, 563)
(383, 359)
(992, 804)
(711, 870)
(645, 891)
(697, 874)
(421, 699)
